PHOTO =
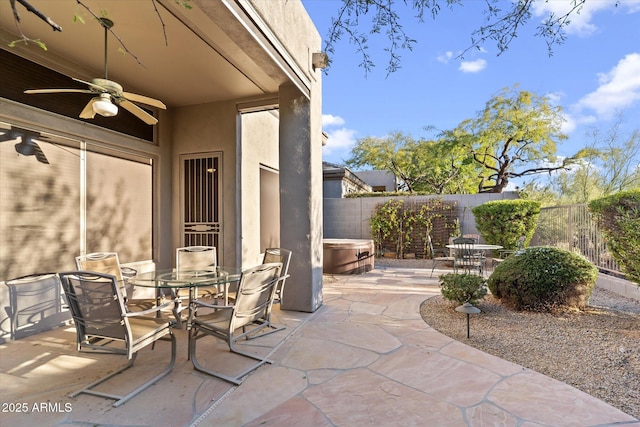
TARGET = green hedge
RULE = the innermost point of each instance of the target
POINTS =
(542, 278)
(618, 217)
(503, 222)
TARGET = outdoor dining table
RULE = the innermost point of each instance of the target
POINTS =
(477, 248)
(188, 279)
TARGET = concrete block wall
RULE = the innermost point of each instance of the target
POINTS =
(349, 218)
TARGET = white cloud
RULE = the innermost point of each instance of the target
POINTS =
(619, 89)
(341, 139)
(581, 21)
(473, 66)
(445, 57)
(331, 120)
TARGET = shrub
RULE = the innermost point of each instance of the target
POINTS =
(618, 217)
(543, 278)
(503, 222)
(461, 288)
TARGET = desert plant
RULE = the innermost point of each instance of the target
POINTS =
(503, 222)
(461, 288)
(543, 278)
(618, 217)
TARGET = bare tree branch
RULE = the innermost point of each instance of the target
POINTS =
(126, 49)
(36, 12)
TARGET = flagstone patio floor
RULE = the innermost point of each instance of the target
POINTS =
(364, 358)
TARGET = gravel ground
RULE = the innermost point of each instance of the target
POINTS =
(596, 350)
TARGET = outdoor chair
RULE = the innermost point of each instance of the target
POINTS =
(108, 263)
(232, 323)
(504, 253)
(35, 304)
(99, 314)
(192, 258)
(283, 256)
(465, 257)
(436, 259)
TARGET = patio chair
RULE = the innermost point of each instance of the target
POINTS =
(190, 258)
(108, 263)
(283, 256)
(35, 304)
(232, 323)
(99, 314)
(436, 259)
(504, 253)
(465, 257)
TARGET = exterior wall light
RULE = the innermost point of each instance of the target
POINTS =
(319, 60)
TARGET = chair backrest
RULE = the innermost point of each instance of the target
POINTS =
(196, 258)
(255, 294)
(96, 305)
(278, 255)
(101, 262)
(463, 247)
(475, 237)
(35, 300)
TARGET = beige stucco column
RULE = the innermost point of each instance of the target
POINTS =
(301, 196)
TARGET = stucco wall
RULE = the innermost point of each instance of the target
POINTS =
(203, 129)
(349, 218)
(282, 17)
(259, 146)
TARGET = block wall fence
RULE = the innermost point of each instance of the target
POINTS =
(349, 218)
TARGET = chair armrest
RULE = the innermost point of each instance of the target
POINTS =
(200, 303)
(149, 310)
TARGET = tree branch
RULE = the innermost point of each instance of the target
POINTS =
(36, 12)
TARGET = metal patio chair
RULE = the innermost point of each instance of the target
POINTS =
(283, 256)
(232, 323)
(465, 257)
(436, 259)
(504, 253)
(99, 315)
(108, 263)
(35, 304)
(193, 258)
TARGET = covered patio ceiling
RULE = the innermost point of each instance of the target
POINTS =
(214, 51)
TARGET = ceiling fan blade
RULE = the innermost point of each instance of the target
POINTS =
(144, 100)
(91, 85)
(87, 112)
(137, 111)
(58, 91)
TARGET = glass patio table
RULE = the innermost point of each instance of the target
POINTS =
(188, 279)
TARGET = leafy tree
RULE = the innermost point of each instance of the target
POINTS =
(360, 19)
(514, 136)
(420, 166)
(610, 163)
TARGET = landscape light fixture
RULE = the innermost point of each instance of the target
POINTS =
(468, 309)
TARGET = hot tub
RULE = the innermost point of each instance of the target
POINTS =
(347, 256)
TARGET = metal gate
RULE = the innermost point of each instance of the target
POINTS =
(200, 195)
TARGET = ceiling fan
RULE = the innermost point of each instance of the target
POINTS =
(27, 145)
(109, 94)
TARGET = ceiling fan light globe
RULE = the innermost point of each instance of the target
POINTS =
(105, 108)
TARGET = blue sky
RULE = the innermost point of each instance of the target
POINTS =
(593, 75)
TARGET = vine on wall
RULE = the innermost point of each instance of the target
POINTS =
(402, 228)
